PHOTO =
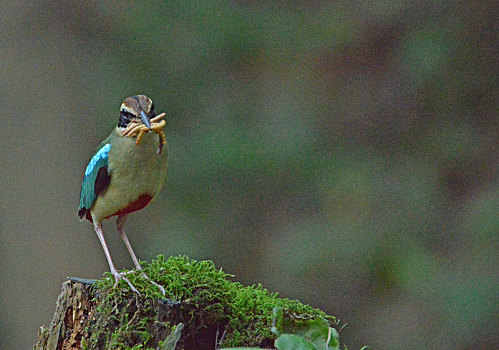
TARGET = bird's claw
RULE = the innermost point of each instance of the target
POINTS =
(154, 283)
(121, 276)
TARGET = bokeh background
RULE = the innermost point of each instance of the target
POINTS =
(340, 152)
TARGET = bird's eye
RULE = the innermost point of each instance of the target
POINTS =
(126, 115)
(125, 118)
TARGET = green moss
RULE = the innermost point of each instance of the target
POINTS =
(206, 299)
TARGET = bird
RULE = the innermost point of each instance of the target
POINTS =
(125, 174)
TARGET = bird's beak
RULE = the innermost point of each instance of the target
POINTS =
(145, 120)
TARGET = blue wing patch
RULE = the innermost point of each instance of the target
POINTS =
(95, 180)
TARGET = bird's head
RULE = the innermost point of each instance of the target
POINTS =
(139, 109)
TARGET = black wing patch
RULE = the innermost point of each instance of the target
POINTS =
(102, 181)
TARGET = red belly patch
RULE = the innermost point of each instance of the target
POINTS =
(138, 204)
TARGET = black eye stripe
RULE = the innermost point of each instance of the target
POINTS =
(125, 118)
(127, 115)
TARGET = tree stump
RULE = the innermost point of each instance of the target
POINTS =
(202, 309)
(78, 319)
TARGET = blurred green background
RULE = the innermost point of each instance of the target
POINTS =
(340, 152)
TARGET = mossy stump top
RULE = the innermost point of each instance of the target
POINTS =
(203, 309)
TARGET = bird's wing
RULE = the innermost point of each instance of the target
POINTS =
(96, 179)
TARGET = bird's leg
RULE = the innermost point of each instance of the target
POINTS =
(120, 222)
(117, 276)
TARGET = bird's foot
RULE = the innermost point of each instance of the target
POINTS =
(154, 283)
(121, 276)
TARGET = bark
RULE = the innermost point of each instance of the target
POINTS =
(79, 322)
(74, 305)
